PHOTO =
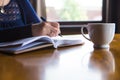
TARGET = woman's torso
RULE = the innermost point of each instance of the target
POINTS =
(11, 17)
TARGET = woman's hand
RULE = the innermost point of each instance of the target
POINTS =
(51, 29)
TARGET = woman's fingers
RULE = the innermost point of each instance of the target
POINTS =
(54, 28)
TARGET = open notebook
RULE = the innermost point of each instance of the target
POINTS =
(33, 43)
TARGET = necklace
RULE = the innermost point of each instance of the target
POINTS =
(2, 7)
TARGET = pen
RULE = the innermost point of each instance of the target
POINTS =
(43, 19)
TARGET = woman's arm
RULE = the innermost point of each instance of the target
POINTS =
(45, 29)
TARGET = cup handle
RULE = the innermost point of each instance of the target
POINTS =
(83, 34)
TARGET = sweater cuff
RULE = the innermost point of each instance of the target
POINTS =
(16, 33)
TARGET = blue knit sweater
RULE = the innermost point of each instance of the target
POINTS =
(16, 22)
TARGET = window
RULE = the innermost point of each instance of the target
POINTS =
(75, 12)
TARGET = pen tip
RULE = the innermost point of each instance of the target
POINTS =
(60, 34)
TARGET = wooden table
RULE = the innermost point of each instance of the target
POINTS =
(81, 62)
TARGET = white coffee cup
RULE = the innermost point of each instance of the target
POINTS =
(101, 34)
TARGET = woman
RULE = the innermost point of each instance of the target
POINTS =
(19, 20)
